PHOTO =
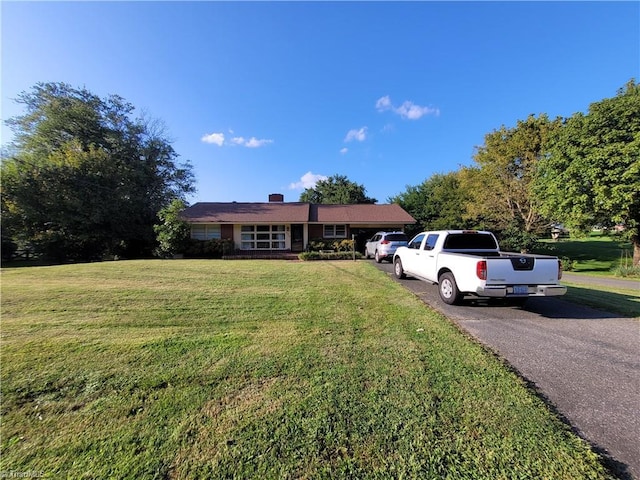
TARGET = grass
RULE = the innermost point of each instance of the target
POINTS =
(615, 300)
(258, 369)
(594, 255)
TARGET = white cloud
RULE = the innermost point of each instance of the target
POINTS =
(414, 112)
(344, 150)
(383, 104)
(308, 180)
(219, 139)
(407, 110)
(215, 138)
(253, 142)
(359, 135)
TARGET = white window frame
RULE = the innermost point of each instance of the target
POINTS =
(334, 231)
(263, 237)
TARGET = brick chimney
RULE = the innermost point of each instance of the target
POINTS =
(276, 197)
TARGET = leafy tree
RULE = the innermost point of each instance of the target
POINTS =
(337, 189)
(82, 179)
(173, 232)
(436, 204)
(592, 174)
(499, 187)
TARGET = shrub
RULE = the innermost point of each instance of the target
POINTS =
(627, 271)
(568, 265)
(318, 244)
(172, 232)
(305, 256)
(343, 245)
(208, 248)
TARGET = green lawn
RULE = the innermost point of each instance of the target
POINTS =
(258, 369)
(595, 255)
(614, 300)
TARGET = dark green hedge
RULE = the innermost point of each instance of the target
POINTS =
(328, 256)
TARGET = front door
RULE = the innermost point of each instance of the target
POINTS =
(297, 237)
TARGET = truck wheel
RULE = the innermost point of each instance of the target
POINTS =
(397, 269)
(448, 289)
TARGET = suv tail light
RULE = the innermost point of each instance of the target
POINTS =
(385, 242)
(481, 269)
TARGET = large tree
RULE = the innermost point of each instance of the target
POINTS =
(337, 189)
(83, 179)
(436, 204)
(500, 184)
(592, 173)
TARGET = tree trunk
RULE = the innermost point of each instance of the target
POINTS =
(636, 250)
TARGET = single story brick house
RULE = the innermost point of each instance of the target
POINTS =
(277, 225)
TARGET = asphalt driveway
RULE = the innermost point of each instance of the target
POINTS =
(584, 362)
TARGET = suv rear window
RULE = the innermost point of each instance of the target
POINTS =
(470, 241)
(396, 237)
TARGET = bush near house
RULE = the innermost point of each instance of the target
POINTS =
(329, 255)
(318, 244)
(208, 248)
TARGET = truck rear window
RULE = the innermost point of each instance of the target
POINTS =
(470, 241)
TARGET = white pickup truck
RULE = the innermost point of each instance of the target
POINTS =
(469, 262)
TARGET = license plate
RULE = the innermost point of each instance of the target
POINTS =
(520, 289)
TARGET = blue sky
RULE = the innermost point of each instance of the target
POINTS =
(267, 97)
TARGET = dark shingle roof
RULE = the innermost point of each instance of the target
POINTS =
(235, 212)
(361, 213)
(295, 212)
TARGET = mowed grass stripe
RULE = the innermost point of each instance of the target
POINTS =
(258, 369)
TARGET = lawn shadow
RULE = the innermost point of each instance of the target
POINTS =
(571, 307)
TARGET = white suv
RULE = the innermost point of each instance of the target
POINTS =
(383, 245)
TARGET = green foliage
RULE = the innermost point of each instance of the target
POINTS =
(592, 173)
(435, 203)
(568, 265)
(343, 245)
(215, 248)
(82, 180)
(173, 233)
(631, 271)
(582, 171)
(317, 244)
(499, 186)
(338, 190)
(324, 255)
(516, 239)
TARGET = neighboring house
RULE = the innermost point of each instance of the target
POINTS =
(290, 226)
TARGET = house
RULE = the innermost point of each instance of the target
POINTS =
(277, 225)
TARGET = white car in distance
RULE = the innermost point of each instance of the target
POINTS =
(383, 245)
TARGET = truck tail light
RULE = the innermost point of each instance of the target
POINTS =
(481, 269)
(559, 269)
(385, 242)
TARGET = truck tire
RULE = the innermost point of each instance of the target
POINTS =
(397, 269)
(448, 289)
